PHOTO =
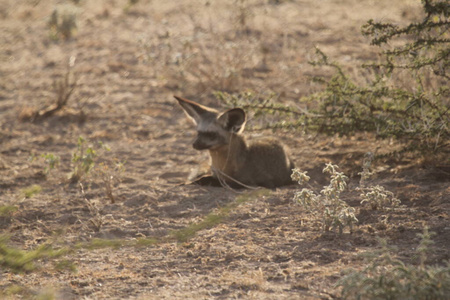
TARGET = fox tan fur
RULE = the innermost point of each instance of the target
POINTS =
(234, 161)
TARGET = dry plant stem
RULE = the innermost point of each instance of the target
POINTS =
(108, 181)
(109, 176)
(108, 187)
(63, 89)
(97, 219)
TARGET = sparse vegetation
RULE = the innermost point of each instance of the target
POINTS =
(129, 5)
(377, 197)
(387, 277)
(165, 239)
(242, 15)
(260, 105)
(62, 25)
(51, 160)
(117, 243)
(110, 175)
(84, 163)
(63, 88)
(83, 159)
(18, 260)
(32, 190)
(7, 210)
(6, 213)
(330, 209)
(96, 219)
(214, 219)
(374, 196)
(65, 264)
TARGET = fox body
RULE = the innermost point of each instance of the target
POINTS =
(234, 161)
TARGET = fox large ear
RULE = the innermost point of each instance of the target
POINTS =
(233, 120)
(193, 110)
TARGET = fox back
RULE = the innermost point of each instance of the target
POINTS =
(234, 161)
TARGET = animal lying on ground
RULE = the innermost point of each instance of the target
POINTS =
(234, 161)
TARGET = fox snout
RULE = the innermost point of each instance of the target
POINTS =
(200, 145)
(208, 140)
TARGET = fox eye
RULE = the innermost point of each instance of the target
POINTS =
(208, 135)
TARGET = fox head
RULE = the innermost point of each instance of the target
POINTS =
(214, 129)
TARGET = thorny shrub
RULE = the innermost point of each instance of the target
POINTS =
(406, 97)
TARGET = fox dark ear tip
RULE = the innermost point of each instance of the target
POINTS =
(181, 99)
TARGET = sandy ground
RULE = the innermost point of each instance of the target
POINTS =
(129, 60)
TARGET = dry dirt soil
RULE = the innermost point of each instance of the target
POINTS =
(128, 60)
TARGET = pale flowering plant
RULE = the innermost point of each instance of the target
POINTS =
(378, 198)
(327, 206)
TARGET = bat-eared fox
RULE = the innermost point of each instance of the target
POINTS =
(234, 161)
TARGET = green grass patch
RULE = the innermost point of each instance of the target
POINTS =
(104, 243)
(32, 190)
(7, 210)
(116, 243)
(145, 242)
(65, 264)
(212, 219)
(19, 261)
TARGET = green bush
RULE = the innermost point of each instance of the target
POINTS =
(407, 96)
